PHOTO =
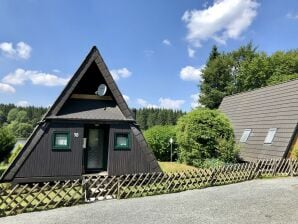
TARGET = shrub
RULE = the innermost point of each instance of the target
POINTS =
(204, 134)
(158, 138)
(7, 141)
(212, 163)
(294, 153)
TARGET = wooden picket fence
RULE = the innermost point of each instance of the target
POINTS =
(41, 196)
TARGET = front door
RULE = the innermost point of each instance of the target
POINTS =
(96, 150)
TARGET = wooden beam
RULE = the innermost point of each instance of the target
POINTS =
(90, 97)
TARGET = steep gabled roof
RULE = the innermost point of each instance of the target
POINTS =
(268, 107)
(93, 57)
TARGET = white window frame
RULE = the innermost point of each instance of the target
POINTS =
(245, 135)
(270, 135)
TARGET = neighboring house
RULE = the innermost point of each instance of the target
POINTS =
(264, 120)
(89, 129)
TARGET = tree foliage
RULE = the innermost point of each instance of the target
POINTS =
(20, 120)
(149, 117)
(7, 141)
(204, 134)
(158, 138)
(244, 69)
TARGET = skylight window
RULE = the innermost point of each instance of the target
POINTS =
(245, 135)
(270, 136)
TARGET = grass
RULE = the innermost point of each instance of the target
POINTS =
(168, 167)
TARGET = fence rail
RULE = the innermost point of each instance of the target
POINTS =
(41, 196)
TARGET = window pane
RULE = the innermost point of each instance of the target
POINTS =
(270, 136)
(245, 135)
(122, 140)
(61, 140)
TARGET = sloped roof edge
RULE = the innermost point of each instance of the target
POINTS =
(261, 88)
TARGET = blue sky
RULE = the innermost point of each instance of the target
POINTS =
(155, 48)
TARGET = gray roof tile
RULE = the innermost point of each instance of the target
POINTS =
(269, 107)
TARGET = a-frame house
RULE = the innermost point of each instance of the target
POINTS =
(88, 129)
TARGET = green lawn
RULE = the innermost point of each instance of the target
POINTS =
(168, 167)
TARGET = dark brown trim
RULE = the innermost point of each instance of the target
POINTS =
(89, 97)
(44, 179)
(78, 120)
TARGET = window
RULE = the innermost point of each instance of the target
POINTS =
(61, 141)
(270, 136)
(122, 141)
(245, 135)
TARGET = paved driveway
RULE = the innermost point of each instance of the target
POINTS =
(257, 201)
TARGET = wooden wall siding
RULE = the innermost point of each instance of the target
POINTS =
(43, 162)
(124, 162)
(269, 107)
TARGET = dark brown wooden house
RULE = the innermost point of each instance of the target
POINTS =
(88, 129)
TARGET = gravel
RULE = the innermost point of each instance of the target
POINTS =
(257, 201)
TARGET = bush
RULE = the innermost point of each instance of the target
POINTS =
(294, 153)
(158, 138)
(212, 163)
(205, 134)
(7, 141)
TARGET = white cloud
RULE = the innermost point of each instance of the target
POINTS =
(144, 103)
(5, 88)
(195, 100)
(120, 73)
(167, 42)
(191, 52)
(292, 16)
(170, 104)
(127, 98)
(223, 20)
(20, 76)
(22, 103)
(21, 50)
(166, 103)
(190, 73)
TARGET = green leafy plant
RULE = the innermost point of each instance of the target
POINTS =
(294, 153)
(204, 134)
(158, 138)
(7, 141)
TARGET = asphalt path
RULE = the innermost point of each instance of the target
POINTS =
(256, 201)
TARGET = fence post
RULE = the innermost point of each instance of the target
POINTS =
(86, 194)
(257, 170)
(118, 188)
(213, 177)
(291, 167)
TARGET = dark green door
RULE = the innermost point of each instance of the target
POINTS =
(96, 152)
